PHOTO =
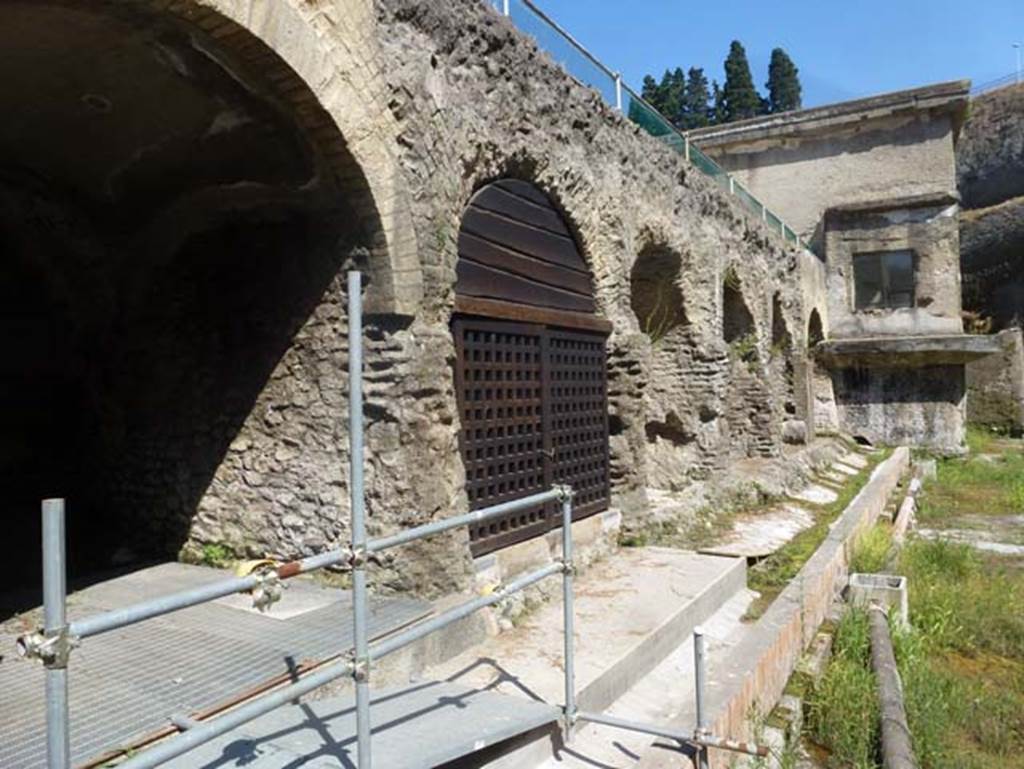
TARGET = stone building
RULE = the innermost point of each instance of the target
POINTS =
(183, 185)
(871, 184)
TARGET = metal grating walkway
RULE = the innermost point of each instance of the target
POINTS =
(124, 685)
(414, 727)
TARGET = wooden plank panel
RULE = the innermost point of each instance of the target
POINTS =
(495, 199)
(494, 308)
(478, 280)
(476, 249)
(539, 244)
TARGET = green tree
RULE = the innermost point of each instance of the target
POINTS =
(670, 93)
(739, 95)
(783, 83)
(695, 99)
(716, 114)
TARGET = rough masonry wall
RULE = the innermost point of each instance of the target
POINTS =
(995, 386)
(470, 100)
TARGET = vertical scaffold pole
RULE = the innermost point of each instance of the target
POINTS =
(568, 609)
(505, 10)
(361, 669)
(700, 675)
(618, 92)
(58, 744)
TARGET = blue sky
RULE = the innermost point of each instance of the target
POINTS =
(843, 49)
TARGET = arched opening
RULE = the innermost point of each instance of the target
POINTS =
(782, 340)
(169, 225)
(782, 356)
(815, 333)
(531, 367)
(655, 296)
(738, 328)
(824, 417)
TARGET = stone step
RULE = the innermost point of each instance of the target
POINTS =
(632, 612)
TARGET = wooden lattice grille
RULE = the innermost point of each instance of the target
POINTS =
(533, 407)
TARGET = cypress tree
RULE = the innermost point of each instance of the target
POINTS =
(783, 83)
(696, 99)
(642, 116)
(740, 98)
(716, 113)
(671, 91)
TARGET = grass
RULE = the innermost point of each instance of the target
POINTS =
(770, 576)
(871, 555)
(990, 481)
(962, 660)
(842, 708)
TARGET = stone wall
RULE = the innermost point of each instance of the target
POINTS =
(924, 406)
(995, 386)
(801, 172)
(424, 103)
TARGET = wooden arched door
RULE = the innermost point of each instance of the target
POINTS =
(531, 368)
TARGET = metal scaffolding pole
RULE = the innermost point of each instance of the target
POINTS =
(568, 611)
(361, 668)
(700, 676)
(58, 743)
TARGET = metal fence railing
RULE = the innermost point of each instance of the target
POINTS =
(56, 641)
(588, 70)
(1014, 78)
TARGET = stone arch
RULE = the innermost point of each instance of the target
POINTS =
(328, 74)
(530, 363)
(655, 294)
(177, 214)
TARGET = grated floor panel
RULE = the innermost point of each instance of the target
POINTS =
(127, 683)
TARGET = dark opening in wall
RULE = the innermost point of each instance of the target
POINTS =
(781, 338)
(157, 267)
(815, 333)
(655, 296)
(737, 321)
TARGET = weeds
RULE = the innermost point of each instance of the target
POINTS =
(842, 709)
(217, 554)
(871, 554)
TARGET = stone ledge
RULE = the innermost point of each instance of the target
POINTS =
(906, 351)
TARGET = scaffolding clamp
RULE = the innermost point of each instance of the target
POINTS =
(53, 649)
(360, 669)
(268, 591)
(569, 567)
(565, 492)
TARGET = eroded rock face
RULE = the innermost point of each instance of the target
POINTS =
(433, 100)
(990, 153)
(990, 169)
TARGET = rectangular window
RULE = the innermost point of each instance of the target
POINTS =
(883, 279)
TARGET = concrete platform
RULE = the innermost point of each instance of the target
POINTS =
(414, 727)
(125, 685)
(631, 612)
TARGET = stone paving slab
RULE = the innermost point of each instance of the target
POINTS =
(760, 535)
(126, 683)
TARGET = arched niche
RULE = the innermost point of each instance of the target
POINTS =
(531, 369)
(654, 294)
